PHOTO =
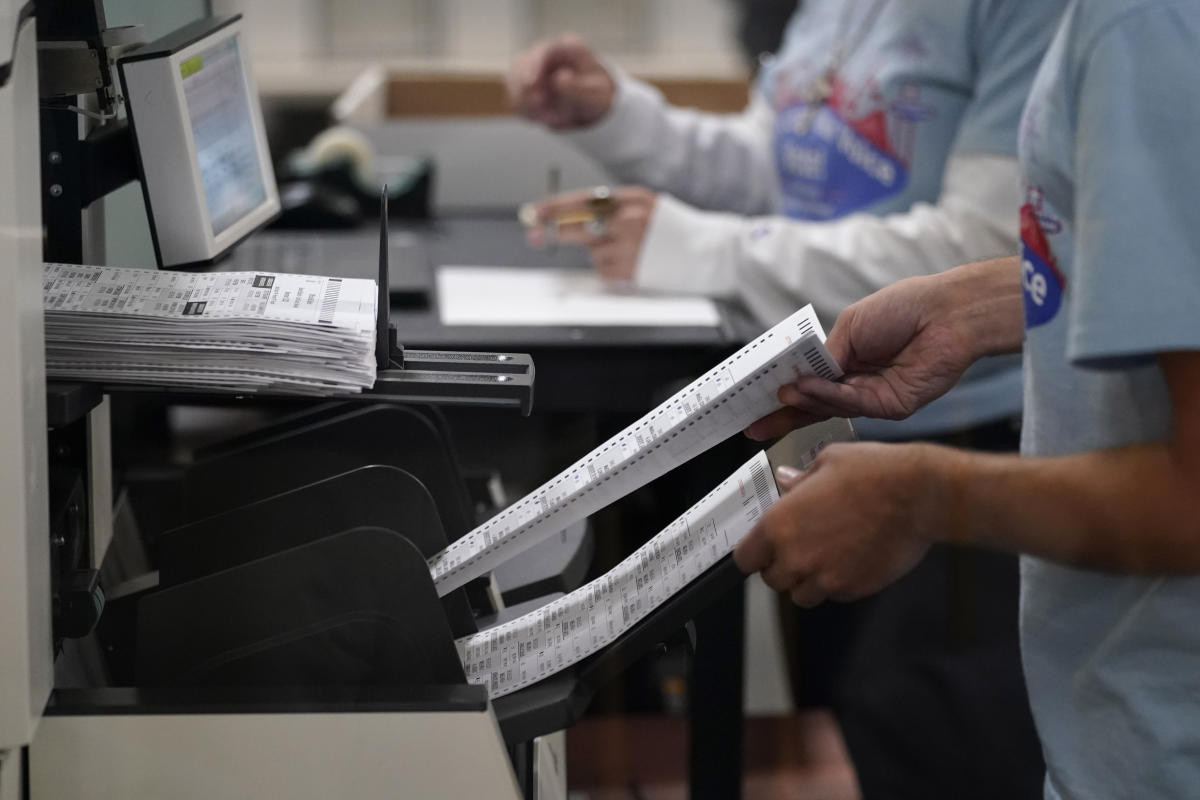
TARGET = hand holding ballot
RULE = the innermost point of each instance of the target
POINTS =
(901, 348)
(905, 346)
(850, 525)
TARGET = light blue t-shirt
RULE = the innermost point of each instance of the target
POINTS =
(1111, 273)
(919, 80)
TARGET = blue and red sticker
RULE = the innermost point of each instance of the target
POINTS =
(840, 156)
(1042, 284)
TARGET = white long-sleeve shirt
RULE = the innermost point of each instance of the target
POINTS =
(732, 185)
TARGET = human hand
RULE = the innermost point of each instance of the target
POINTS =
(560, 83)
(615, 242)
(900, 349)
(862, 516)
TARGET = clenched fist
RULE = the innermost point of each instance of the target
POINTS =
(560, 83)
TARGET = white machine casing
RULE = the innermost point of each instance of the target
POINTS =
(180, 221)
(26, 652)
(300, 756)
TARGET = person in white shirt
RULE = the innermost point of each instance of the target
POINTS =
(879, 143)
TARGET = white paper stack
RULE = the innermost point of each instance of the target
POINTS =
(232, 331)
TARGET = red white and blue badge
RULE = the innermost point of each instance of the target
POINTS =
(1041, 282)
(834, 159)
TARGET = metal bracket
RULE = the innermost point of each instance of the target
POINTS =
(67, 69)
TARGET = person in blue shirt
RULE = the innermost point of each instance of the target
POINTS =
(1104, 503)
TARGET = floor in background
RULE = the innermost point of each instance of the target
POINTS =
(798, 757)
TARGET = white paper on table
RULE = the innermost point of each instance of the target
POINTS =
(469, 295)
(715, 406)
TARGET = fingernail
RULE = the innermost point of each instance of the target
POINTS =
(789, 395)
(787, 474)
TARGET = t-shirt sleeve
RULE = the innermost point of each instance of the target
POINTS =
(1137, 166)
(1009, 39)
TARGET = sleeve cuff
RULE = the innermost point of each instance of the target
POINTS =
(689, 251)
(628, 127)
(1110, 346)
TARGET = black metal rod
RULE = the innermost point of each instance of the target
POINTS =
(383, 341)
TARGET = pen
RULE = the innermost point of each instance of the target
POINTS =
(553, 187)
(599, 207)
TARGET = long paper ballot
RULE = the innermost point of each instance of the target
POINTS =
(533, 647)
(720, 403)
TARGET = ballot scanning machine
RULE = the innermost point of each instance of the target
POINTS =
(291, 641)
(103, 740)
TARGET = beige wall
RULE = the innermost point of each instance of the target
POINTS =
(326, 42)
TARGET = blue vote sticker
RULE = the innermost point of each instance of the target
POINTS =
(829, 167)
(1042, 284)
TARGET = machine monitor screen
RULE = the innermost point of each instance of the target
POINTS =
(201, 145)
(223, 129)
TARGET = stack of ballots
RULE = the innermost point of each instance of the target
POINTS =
(225, 331)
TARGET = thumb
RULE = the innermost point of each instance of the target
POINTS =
(787, 477)
(754, 552)
(779, 422)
